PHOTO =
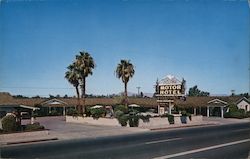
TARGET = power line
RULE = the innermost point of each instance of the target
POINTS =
(35, 88)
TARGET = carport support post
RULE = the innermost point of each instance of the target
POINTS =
(64, 111)
(159, 109)
(169, 108)
(32, 120)
(207, 111)
(222, 111)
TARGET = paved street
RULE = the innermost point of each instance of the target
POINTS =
(221, 141)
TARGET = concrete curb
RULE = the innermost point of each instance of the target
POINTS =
(29, 141)
(179, 127)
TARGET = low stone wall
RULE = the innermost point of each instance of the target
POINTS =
(177, 119)
(90, 120)
(196, 118)
(153, 122)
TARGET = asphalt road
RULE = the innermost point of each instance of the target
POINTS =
(214, 142)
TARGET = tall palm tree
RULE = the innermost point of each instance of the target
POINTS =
(73, 78)
(84, 66)
(125, 71)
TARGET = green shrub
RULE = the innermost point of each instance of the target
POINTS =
(236, 114)
(242, 111)
(118, 113)
(53, 113)
(170, 118)
(134, 120)
(146, 118)
(9, 123)
(2, 114)
(72, 112)
(33, 127)
(233, 108)
(123, 119)
(122, 108)
(97, 112)
(248, 114)
(88, 113)
(186, 114)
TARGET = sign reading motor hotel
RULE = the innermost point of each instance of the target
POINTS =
(170, 90)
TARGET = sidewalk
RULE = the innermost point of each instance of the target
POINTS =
(206, 122)
(221, 121)
(60, 130)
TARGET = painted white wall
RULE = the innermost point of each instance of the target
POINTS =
(243, 104)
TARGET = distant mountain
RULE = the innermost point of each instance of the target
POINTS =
(135, 94)
(149, 94)
(219, 95)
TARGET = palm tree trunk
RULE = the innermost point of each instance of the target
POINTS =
(78, 100)
(126, 94)
(83, 86)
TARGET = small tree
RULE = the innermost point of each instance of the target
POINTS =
(194, 91)
(9, 123)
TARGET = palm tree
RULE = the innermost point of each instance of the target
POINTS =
(125, 71)
(84, 66)
(73, 78)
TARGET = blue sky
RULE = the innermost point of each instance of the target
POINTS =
(206, 42)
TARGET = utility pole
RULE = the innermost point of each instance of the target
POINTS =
(138, 90)
(233, 92)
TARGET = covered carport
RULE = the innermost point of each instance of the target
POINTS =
(216, 104)
(55, 103)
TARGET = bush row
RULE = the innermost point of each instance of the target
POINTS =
(237, 114)
(234, 112)
(127, 116)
